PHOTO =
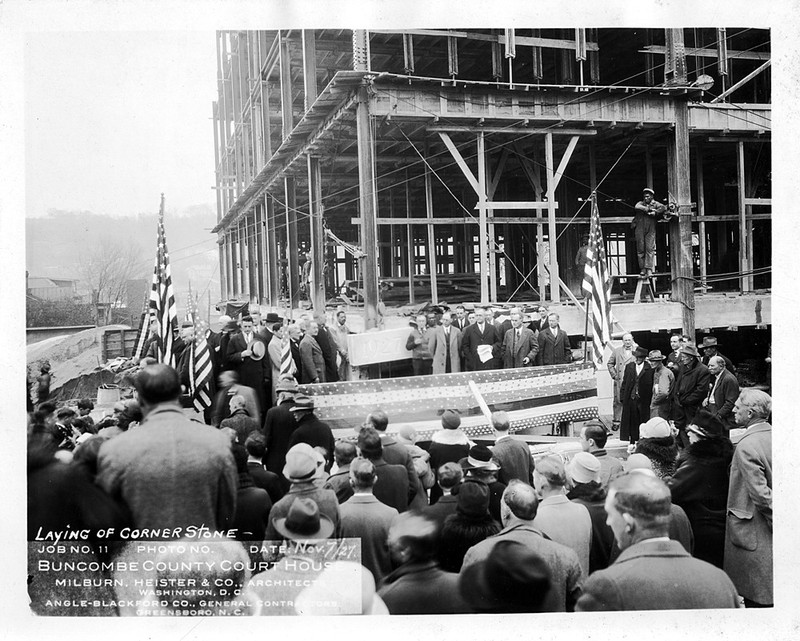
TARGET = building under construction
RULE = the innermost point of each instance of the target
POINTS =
(456, 166)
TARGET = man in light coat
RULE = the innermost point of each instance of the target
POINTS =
(620, 357)
(748, 530)
(653, 572)
(444, 342)
(520, 346)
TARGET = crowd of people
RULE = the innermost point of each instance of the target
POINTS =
(450, 526)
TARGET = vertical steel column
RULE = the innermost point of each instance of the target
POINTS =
(292, 248)
(287, 117)
(431, 233)
(409, 248)
(272, 259)
(317, 295)
(483, 232)
(555, 288)
(746, 282)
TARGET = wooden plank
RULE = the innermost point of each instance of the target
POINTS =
(431, 232)
(501, 165)
(519, 204)
(516, 131)
(551, 215)
(701, 211)
(462, 164)
(562, 166)
(744, 262)
(483, 230)
(709, 53)
(740, 83)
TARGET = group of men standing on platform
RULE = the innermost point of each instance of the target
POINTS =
(477, 342)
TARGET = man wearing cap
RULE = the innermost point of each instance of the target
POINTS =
(563, 521)
(663, 380)
(723, 392)
(313, 360)
(583, 480)
(246, 353)
(310, 429)
(519, 508)
(344, 452)
(710, 348)
(652, 572)
(366, 518)
(513, 456)
(593, 440)
(279, 425)
(748, 531)
(392, 485)
(636, 391)
(302, 466)
(301, 522)
(418, 585)
(648, 210)
(691, 387)
(619, 359)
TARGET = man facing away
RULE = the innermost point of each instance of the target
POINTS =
(170, 471)
(593, 440)
(652, 572)
(514, 456)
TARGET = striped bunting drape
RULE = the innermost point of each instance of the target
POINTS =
(531, 395)
(597, 285)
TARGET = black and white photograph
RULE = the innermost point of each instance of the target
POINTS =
(460, 314)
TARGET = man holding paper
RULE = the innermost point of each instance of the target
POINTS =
(480, 344)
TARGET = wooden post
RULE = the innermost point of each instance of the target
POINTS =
(701, 211)
(483, 232)
(744, 258)
(309, 67)
(317, 294)
(551, 218)
(367, 207)
(271, 259)
(287, 118)
(292, 249)
(431, 233)
(409, 248)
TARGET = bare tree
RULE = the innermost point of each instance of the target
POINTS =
(107, 267)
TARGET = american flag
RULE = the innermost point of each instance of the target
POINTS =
(597, 285)
(200, 366)
(162, 299)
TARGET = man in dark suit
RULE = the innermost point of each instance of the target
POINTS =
(295, 336)
(538, 324)
(519, 344)
(310, 429)
(652, 572)
(635, 392)
(313, 370)
(514, 456)
(554, 346)
(723, 392)
(460, 320)
(480, 333)
(391, 487)
(279, 426)
(448, 476)
(327, 343)
(254, 370)
(709, 349)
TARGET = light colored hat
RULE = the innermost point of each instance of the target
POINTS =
(584, 468)
(648, 190)
(656, 427)
(301, 463)
(638, 462)
(655, 355)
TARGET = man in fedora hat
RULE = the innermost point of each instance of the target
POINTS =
(246, 352)
(279, 425)
(302, 464)
(310, 429)
(648, 210)
(519, 508)
(663, 380)
(636, 392)
(710, 348)
(691, 387)
(276, 589)
(559, 518)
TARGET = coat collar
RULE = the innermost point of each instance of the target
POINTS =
(411, 568)
(362, 498)
(756, 428)
(651, 548)
(450, 437)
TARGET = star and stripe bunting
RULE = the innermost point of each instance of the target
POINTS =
(162, 298)
(597, 285)
(201, 370)
(531, 396)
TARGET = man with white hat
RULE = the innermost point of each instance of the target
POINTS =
(648, 210)
(583, 479)
(301, 469)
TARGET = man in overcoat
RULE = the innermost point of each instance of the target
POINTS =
(444, 342)
(246, 352)
(554, 346)
(748, 530)
(520, 346)
(636, 393)
(477, 337)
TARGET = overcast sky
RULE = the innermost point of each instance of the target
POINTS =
(112, 119)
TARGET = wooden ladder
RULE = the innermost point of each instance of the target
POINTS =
(644, 285)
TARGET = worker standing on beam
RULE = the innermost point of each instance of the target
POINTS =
(648, 211)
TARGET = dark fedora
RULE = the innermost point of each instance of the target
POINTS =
(690, 349)
(272, 317)
(640, 351)
(512, 578)
(709, 341)
(706, 425)
(479, 458)
(302, 403)
(303, 521)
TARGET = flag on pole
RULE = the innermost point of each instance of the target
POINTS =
(162, 299)
(597, 285)
(200, 366)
